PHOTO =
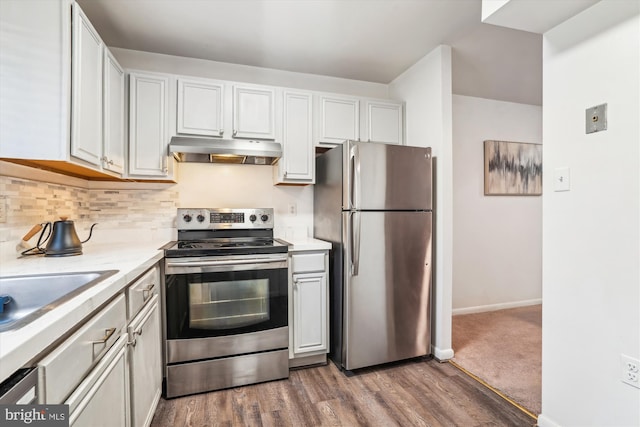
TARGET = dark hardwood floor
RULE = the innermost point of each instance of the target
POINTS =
(413, 393)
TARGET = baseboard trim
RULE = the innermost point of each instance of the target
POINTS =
(494, 307)
(546, 422)
(442, 355)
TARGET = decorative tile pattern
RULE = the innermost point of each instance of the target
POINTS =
(31, 202)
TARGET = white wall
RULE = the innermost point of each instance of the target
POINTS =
(243, 73)
(426, 89)
(497, 240)
(591, 234)
(237, 186)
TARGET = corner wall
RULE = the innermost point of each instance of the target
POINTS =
(497, 240)
(591, 234)
(426, 89)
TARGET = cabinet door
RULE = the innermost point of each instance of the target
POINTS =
(148, 125)
(254, 113)
(200, 108)
(35, 64)
(339, 119)
(297, 159)
(384, 122)
(86, 107)
(105, 400)
(145, 363)
(309, 312)
(113, 108)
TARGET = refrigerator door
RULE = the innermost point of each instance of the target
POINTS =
(387, 281)
(386, 177)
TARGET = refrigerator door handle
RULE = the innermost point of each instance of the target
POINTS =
(355, 243)
(355, 177)
(351, 177)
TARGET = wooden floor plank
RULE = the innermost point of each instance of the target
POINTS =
(419, 392)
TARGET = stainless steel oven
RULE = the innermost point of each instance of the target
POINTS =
(225, 301)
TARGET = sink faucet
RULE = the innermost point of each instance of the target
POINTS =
(4, 300)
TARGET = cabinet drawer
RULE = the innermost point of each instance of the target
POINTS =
(63, 369)
(104, 388)
(304, 262)
(142, 290)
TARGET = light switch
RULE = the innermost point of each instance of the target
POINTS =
(561, 180)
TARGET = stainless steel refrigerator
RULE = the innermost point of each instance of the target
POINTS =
(373, 202)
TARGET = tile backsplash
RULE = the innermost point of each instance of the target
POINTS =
(121, 214)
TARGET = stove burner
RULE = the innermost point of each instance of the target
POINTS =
(213, 244)
(224, 232)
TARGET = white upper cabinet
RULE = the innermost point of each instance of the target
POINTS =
(35, 53)
(113, 108)
(62, 92)
(296, 165)
(148, 125)
(338, 119)
(254, 112)
(86, 118)
(200, 107)
(383, 122)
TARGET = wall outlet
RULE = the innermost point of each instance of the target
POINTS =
(293, 209)
(630, 369)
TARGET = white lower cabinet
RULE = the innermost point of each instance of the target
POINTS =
(69, 364)
(101, 399)
(145, 364)
(308, 308)
(109, 371)
(309, 311)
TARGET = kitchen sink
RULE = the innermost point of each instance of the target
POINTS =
(25, 298)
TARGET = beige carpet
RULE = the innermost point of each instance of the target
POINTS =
(503, 348)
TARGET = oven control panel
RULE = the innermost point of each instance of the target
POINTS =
(220, 218)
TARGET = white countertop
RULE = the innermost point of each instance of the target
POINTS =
(305, 244)
(19, 346)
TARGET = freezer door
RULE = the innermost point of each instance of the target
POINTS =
(387, 281)
(386, 177)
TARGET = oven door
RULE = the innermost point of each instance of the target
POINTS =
(220, 296)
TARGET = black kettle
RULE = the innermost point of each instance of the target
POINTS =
(62, 239)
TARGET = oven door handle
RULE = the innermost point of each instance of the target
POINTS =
(216, 263)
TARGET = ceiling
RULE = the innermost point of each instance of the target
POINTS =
(370, 40)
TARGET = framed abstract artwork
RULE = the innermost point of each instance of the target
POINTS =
(512, 168)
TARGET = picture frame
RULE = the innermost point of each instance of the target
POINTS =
(512, 168)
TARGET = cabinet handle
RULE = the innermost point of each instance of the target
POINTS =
(146, 292)
(165, 168)
(110, 162)
(135, 340)
(104, 159)
(107, 334)
(235, 132)
(221, 132)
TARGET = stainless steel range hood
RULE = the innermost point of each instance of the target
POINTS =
(239, 151)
